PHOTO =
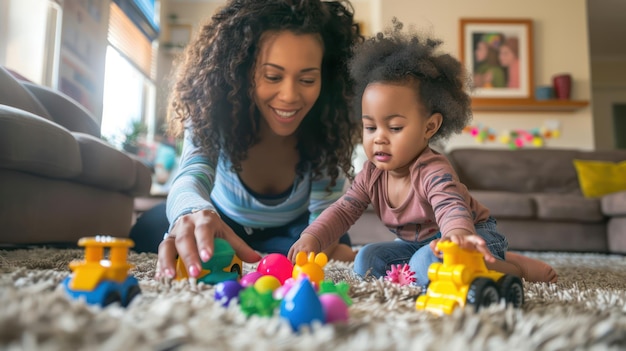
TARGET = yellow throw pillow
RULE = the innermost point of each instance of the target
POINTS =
(598, 178)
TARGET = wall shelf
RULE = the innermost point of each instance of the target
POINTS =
(526, 105)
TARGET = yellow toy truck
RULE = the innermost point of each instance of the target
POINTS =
(463, 279)
(99, 280)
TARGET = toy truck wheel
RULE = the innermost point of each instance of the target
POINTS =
(236, 268)
(131, 293)
(482, 293)
(512, 290)
(111, 297)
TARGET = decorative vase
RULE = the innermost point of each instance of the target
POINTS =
(562, 85)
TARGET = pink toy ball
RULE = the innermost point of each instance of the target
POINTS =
(335, 309)
(277, 265)
(250, 278)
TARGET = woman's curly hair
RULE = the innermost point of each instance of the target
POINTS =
(213, 92)
(440, 80)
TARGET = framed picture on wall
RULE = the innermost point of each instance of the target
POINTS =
(498, 54)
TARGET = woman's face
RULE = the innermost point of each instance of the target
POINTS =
(481, 51)
(288, 79)
(507, 57)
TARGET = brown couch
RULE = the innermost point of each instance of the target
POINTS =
(58, 180)
(535, 196)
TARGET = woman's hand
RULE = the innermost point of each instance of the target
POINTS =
(307, 243)
(466, 240)
(192, 237)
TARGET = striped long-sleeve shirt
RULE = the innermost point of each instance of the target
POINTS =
(200, 184)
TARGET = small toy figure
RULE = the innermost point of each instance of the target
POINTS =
(463, 279)
(102, 281)
(313, 266)
(400, 274)
(224, 265)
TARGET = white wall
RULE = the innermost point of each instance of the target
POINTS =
(560, 45)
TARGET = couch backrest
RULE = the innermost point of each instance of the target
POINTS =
(13, 93)
(524, 170)
(64, 110)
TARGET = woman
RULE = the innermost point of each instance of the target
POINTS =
(263, 96)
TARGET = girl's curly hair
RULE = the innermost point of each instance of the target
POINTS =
(213, 91)
(441, 82)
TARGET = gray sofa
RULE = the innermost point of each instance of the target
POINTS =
(535, 197)
(58, 180)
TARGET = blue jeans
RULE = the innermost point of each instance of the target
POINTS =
(377, 258)
(147, 233)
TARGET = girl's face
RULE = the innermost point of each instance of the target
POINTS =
(396, 128)
(288, 79)
(507, 57)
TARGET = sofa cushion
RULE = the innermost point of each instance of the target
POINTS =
(614, 204)
(568, 207)
(505, 204)
(103, 165)
(519, 171)
(30, 143)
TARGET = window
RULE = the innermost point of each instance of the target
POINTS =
(129, 88)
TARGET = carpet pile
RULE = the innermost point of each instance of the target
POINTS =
(585, 310)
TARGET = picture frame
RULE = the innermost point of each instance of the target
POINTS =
(498, 54)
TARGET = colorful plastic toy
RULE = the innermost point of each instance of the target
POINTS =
(224, 265)
(252, 301)
(313, 266)
(463, 279)
(301, 306)
(277, 265)
(400, 274)
(250, 278)
(226, 291)
(102, 281)
(334, 307)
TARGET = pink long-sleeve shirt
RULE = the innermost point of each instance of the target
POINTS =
(437, 202)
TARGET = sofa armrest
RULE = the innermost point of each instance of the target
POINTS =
(614, 204)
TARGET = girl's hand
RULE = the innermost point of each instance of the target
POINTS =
(191, 238)
(466, 241)
(307, 243)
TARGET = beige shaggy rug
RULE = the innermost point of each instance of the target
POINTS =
(585, 310)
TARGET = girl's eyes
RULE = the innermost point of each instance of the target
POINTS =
(275, 79)
(392, 129)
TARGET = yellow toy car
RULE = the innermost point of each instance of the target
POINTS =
(463, 279)
(99, 280)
